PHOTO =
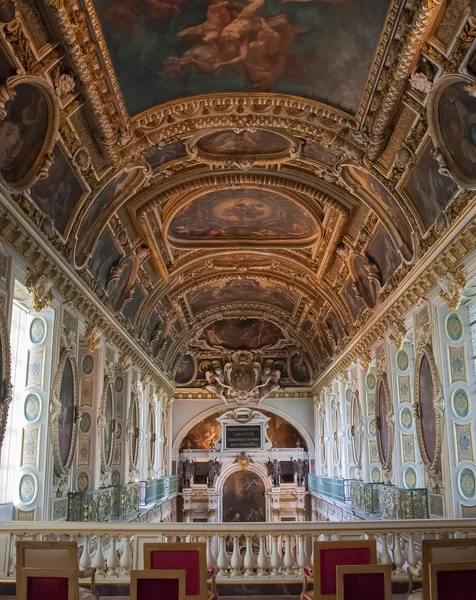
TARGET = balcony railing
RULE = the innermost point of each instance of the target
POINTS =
(264, 551)
(157, 490)
(104, 505)
(388, 501)
(331, 487)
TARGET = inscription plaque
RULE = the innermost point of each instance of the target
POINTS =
(238, 437)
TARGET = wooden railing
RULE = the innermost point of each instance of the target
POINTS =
(258, 550)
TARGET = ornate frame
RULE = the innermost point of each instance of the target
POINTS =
(133, 445)
(386, 464)
(448, 166)
(357, 423)
(432, 467)
(44, 160)
(61, 470)
(6, 388)
(106, 461)
(152, 435)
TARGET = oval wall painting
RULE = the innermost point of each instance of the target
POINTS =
(23, 135)
(186, 370)
(243, 143)
(383, 433)
(66, 415)
(461, 403)
(109, 425)
(454, 327)
(428, 416)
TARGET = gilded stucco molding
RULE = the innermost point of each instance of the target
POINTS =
(415, 39)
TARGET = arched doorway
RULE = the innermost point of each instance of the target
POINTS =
(244, 498)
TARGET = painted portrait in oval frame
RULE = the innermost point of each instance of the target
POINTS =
(65, 413)
(107, 424)
(385, 426)
(28, 132)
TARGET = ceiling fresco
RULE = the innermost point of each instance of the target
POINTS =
(238, 182)
(167, 50)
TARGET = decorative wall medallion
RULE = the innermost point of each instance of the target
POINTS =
(28, 488)
(457, 364)
(85, 423)
(38, 331)
(116, 477)
(373, 451)
(454, 327)
(460, 403)
(408, 447)
(82, 481)
(372, 427)
(87, 364)
(467, 483)
(371, 381)
(119, 384)
(30, 446)
(32, 408)
(464, 442)
(35, 367)
(64, 412)
(468, 512)
(348, 395)
(375, 476)
(406, 418)
(59, 509)
(402, 360)
(370, 403)
(404, 393)
(410, 478)
(84, 451)
(86, 392)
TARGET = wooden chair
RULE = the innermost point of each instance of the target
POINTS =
(54, 584)
(442, 551)
(327, 557)
(372, 582)
(453, 581)
(190, 557)
(48, 555)
(154, 584)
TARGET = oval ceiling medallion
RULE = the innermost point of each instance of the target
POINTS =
(454, 327)
(231, 217)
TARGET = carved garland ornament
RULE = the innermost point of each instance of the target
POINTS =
(58, 410)
(432, 464)
(6, 388)
(384, 456)
(357, 429)
(107, 454)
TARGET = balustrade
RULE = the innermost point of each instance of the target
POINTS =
(238, 550)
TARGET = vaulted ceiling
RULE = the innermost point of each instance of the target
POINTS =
(227, 175)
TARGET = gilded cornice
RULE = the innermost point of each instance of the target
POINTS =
(17, 231)
(442, 256)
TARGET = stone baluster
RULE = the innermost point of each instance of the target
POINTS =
(385, 558)
(313, 540)
(412, 558)
(99, 561)
(126, 558)
(236, 557)
(112, 559)
(398, 557)
(302, 559)
(249, 561)
(288, 556)
(263, 562)
(275, 557)
(85, 560)
(222, 560)
(211, 561)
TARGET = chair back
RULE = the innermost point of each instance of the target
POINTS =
(329, 555)
(453, 580)
(190, 558)
(57, 584)
(444, 551)
(153, 584)
(373, 582)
